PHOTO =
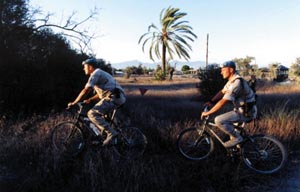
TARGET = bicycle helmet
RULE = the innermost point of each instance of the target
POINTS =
(230, 64)
(91, 61)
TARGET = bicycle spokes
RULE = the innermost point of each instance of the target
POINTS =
(264, 154)
(131, 143)
(194, 146)
(67, 139)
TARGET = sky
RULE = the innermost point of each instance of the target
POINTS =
(268, 30)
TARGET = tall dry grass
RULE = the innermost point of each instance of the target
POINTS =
(27, 163)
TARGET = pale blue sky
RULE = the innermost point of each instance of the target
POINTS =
(268, 30)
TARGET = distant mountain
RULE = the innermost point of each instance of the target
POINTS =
(177, 64)
(136, 63)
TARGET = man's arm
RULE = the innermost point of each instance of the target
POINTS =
(217, 97)
(95, 97)
(215, 108)
(82, 93)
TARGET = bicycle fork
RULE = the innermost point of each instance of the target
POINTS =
(70, 135)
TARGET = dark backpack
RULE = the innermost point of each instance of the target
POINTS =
(251, 83)
(248, 106)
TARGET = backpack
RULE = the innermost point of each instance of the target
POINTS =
(249, 106)
(251, 83)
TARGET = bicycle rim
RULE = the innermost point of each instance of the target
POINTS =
(264, 154)
(67, 139)
(194, 146)
(131, 143)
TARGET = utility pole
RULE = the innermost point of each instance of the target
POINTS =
(207, 51)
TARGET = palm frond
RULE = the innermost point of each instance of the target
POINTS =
(188, 37)
(181, 51)
(145, 42)
(142, 37)
(157, 50)
(150, 51)
(183, 42)
(169, 50)
(152, 26)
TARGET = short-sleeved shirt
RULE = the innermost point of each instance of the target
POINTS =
(103, 83)
(238, 94)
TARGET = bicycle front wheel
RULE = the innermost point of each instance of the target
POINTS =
(194, 146)
(131, 143)
(264, 154)
(67, 139)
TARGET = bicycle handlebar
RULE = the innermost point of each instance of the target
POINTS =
(205, 109)
(79, 104)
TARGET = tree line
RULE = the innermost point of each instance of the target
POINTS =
(39, 70)
(246, 68)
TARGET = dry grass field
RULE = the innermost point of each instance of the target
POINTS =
(26, 163)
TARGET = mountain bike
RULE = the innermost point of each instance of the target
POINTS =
(70, 138)
(263, 154)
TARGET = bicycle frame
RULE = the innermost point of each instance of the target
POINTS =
(79, 118)
(262, 153)
(71, 137)
(208, 127)
(212, 132)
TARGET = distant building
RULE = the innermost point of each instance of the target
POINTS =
(265, 73)
(192, 72)
(178, 73)
(279, 74)
(282, 73)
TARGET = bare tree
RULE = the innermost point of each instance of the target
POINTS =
(70, 28)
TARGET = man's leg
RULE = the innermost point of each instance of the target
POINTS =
(225, 123)
(96, 116)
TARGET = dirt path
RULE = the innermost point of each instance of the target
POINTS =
(7, 179)
(292, 181)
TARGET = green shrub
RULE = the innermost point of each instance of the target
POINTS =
(211, 81)
(159, 75)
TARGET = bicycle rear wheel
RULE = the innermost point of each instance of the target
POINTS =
(131, 143)
(194, 146)
(264, 154)
(67, 139)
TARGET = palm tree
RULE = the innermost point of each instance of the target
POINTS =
(171, 37)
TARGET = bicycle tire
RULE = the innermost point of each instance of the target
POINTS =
(264, 154)
(194, 146)
(67, 139)
(131, 143)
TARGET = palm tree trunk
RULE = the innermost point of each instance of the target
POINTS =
(164, 60)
